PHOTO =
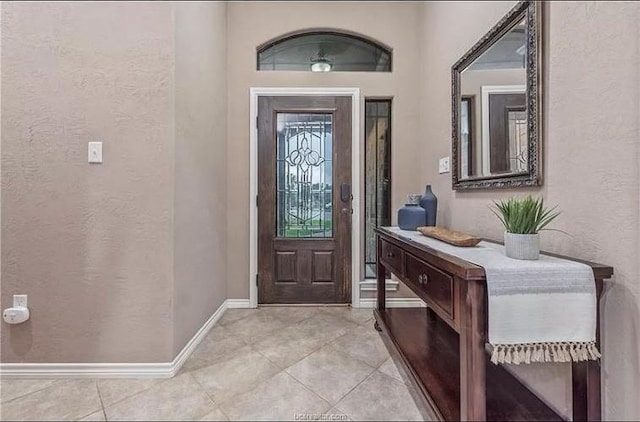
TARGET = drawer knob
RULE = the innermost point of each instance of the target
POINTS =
(423, 279)
(389, 254)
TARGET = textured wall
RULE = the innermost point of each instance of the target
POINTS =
(200, 166)
(89, 244)
(253, 23)
(134, 246)
(591, 161)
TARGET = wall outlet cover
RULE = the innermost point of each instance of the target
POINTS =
(20, 301)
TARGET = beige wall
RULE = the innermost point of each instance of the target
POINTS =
(89, 244)
(591, 161)
(122, 261)
(253, 23)
(200, 166)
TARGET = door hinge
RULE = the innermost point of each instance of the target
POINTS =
(256, 122)
(257, 202)
(257, 279)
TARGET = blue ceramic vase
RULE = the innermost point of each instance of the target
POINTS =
(412, 215)
(429, 203)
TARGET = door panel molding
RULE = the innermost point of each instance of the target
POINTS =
(355, 243)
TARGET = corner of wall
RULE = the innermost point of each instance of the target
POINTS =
(200, 229)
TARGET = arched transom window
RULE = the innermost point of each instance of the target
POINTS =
(324, 51)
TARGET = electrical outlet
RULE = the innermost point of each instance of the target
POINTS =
(443, 165)
(20, 301)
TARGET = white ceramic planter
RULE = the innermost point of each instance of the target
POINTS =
(522, 246)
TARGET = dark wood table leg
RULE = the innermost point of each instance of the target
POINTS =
(381, 277)
(472, 352)
(585, 377)
(585, 380)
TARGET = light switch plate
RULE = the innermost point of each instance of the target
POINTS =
(443, 165)
(95, 152)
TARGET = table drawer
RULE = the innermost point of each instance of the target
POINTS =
(393, 257)
(436, 284)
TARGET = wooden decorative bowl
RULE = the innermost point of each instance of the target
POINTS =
(449, 236)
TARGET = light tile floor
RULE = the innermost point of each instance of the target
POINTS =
(272, 363)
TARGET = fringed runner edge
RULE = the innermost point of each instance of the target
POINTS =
(544, 352)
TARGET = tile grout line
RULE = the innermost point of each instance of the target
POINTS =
(56, 381)
(327, 343)
(349, 392)
(104, 411)
(331, 405)
(160, 381)
(225, 324)
(283, 370)
(244, 392)
(313, 393)
(217, 406)
(322, 345)
(287, 324)
(355, 357)
(338, 350)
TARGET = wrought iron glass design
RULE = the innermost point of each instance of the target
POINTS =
(304, 175)
(377, 176)
(340, 52)
(466, 156)
(517, 127)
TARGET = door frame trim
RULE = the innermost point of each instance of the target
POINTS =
(354, 93)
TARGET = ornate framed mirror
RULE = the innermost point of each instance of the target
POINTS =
(496, 105)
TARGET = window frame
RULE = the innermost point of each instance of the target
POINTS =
(347, 34)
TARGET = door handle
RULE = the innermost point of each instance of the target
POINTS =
(345, 192)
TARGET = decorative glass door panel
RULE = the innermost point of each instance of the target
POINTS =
(304, 175)
(518, 141)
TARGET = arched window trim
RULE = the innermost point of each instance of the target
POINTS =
(328, 31)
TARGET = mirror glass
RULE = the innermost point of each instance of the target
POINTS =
(497, 104)
(493, 139)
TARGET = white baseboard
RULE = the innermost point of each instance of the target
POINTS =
(85, 370)
(190, 347)
(238, 303)
(150, 370)
(117, 370)
(394, 302)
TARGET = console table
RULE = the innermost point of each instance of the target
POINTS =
(443, 348)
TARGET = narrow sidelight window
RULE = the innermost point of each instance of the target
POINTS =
(377, 189)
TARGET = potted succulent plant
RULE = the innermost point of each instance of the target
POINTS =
(523, 219)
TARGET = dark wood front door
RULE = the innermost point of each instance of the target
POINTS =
(501, 107)
(304, 199)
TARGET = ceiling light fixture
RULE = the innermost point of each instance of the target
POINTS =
(320, 63)
(321, 66)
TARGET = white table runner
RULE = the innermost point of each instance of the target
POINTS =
(539, 311)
